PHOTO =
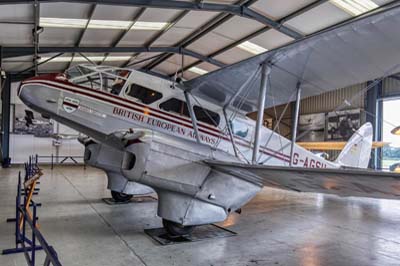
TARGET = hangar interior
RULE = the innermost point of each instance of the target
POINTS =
(188, 39)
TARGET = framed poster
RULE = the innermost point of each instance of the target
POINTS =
(29, 122)
(311, 127)
(343, 124)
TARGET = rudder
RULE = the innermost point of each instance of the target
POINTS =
(357, 151)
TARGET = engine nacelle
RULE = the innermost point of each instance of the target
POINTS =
(189, 191)
(110, 160)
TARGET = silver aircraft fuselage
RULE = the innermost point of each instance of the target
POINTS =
(140, 143)
(99, 114)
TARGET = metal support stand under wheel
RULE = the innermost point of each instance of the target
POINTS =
(120, 197)
(175, 229)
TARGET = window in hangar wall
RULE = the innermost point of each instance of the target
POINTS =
(390, 120)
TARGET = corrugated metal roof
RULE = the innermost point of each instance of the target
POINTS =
(211, 34)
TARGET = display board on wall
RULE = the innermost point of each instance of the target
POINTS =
(343, 124)
(332, 126)
(312, 126)
(29, 122)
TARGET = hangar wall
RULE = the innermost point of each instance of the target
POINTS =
(326, 102)
(331, 100)
(391, 87)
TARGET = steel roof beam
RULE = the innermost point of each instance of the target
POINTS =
(135, 18)
(24, 51)
(190, 39)
(171, 24)
(302, 11)
(197, 34)
(236, 10)
(258, 32)
(230, 46)
(82, 33)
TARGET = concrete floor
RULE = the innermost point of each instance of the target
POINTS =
(275, 228)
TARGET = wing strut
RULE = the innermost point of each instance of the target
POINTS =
(296, 121)
(192, 115)
(265, 72)
(228, 125)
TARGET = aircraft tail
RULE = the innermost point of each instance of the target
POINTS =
(357, 151)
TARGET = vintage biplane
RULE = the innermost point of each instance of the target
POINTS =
(191, 141)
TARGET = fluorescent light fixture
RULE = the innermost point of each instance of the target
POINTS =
(64, 59)
(118, 58)
(355, 7)
(143, 25)
(62, 22)
(101, 24)
(396, 131)
(198, 70)
(251, 47)
(109, 24)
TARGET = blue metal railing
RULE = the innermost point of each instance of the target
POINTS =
(36, 242)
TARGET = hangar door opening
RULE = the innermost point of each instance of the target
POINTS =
(390, 120)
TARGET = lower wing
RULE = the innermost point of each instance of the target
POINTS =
(343, 181)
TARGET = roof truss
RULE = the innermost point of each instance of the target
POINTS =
(24, 51)
(236, 10)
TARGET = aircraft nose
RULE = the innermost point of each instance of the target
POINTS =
(26, 92)
(30, 85)
(39, 95)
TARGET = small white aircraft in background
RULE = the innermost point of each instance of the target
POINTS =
(193, 144)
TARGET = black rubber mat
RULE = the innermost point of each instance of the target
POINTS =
(200, 233)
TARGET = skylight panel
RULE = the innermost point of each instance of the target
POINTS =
(101, 24)
(355, 7)
(143, 25)
(198, 70)
(62, 22)
(251, 47)
(109, 24)
(118, 58)
(80, 59)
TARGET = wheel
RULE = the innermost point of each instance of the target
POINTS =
(120, 197)
(175, 229)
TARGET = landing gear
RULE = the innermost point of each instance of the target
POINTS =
(120, 197)
(175, 229)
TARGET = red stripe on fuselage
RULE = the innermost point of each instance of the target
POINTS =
(153, 112)
(107, 94)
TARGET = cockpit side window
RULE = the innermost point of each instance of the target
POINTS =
(145, 95)
(180, 107)
(119, 83)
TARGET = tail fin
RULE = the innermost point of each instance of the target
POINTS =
(357, 151)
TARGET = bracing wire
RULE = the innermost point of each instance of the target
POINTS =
(346, 103)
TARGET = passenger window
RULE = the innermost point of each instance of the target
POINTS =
(206, 116)
(180, 107)
(145, 95)
(176, 106)
(239, 128)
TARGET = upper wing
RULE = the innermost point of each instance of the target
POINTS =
(342, 182)
(354, 52)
